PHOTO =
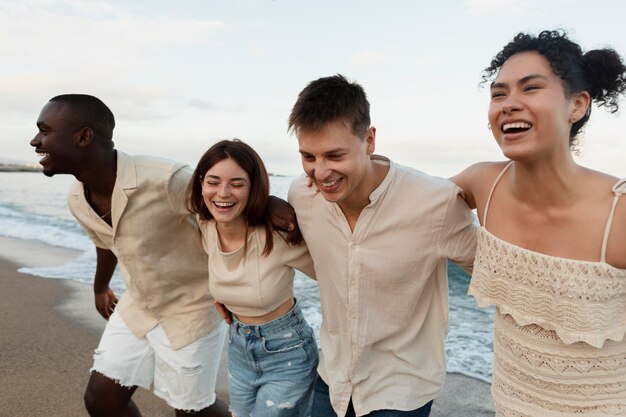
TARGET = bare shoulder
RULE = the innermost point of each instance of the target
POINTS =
(607, 187)
(477, 179)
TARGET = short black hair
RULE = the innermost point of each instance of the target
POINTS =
(90, 111)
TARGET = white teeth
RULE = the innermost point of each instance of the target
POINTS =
(516, 125)
(43, 154)
(331, 183)
(223, 204)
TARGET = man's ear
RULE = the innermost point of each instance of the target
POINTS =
(84, 137)
(370, 139)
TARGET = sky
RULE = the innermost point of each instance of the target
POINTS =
(180, 76)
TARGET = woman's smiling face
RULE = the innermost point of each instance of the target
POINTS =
(225, 190)
(530, 111)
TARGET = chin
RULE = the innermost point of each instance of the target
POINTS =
(331, 198)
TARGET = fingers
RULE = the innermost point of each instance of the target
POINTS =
(224, 312)
(106, 304)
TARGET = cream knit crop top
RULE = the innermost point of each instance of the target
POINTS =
(251, 284)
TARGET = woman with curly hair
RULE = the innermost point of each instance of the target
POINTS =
(551, 252)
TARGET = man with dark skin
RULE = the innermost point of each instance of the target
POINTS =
(164, 332)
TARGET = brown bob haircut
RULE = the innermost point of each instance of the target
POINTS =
(256, 211)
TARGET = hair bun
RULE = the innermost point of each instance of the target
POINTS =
(606, 74)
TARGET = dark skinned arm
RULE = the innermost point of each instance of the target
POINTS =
(104, 296)
(283, 217)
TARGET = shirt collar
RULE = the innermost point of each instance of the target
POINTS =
(382, 187)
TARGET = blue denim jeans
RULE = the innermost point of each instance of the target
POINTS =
(322, 407)
(272, 367)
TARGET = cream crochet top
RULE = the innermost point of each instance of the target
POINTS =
(559, 331)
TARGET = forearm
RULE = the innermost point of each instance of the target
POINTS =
(105, 266)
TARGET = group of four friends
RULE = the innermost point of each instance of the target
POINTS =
(377, 237)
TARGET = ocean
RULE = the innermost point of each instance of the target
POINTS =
(33, 207)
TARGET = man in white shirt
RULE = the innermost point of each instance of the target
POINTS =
(380, 235)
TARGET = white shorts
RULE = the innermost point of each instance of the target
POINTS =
(184, 378)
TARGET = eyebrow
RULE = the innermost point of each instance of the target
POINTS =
(330, 152)
(217, 177)
(521, 81)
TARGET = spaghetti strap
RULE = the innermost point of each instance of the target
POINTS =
(618, 189)
(493, 187)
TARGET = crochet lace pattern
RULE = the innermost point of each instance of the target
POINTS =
(559, 332)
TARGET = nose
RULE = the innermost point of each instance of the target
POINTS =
(510, 105)
(35, 141)
(224, 190)
(320, 169)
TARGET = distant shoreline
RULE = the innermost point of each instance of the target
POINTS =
(37, 168)
(19, 168)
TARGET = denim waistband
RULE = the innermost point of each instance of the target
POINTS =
(259, 330)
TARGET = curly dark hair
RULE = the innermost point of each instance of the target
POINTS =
(600, 72)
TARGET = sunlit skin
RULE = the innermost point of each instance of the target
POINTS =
(338, 162)
(530, 114)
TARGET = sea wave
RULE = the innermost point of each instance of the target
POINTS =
(45, 218)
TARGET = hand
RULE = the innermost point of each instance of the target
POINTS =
(105, 303)
(224, 312)
(311, 184)
(283, 217)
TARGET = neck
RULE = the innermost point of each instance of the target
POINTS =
(232, 235)
(360, 198)
(99, 173)
(541, 183)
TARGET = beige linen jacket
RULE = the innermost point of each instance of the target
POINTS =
(158, 246)
(384, 288)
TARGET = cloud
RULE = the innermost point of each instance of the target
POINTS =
(502, 7)
(201, 104)
(50, 47)
(49, 34)
(366, 58)
(428, 61)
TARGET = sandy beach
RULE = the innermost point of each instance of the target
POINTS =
(50, 329)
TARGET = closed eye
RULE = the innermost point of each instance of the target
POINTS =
(532, 87)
